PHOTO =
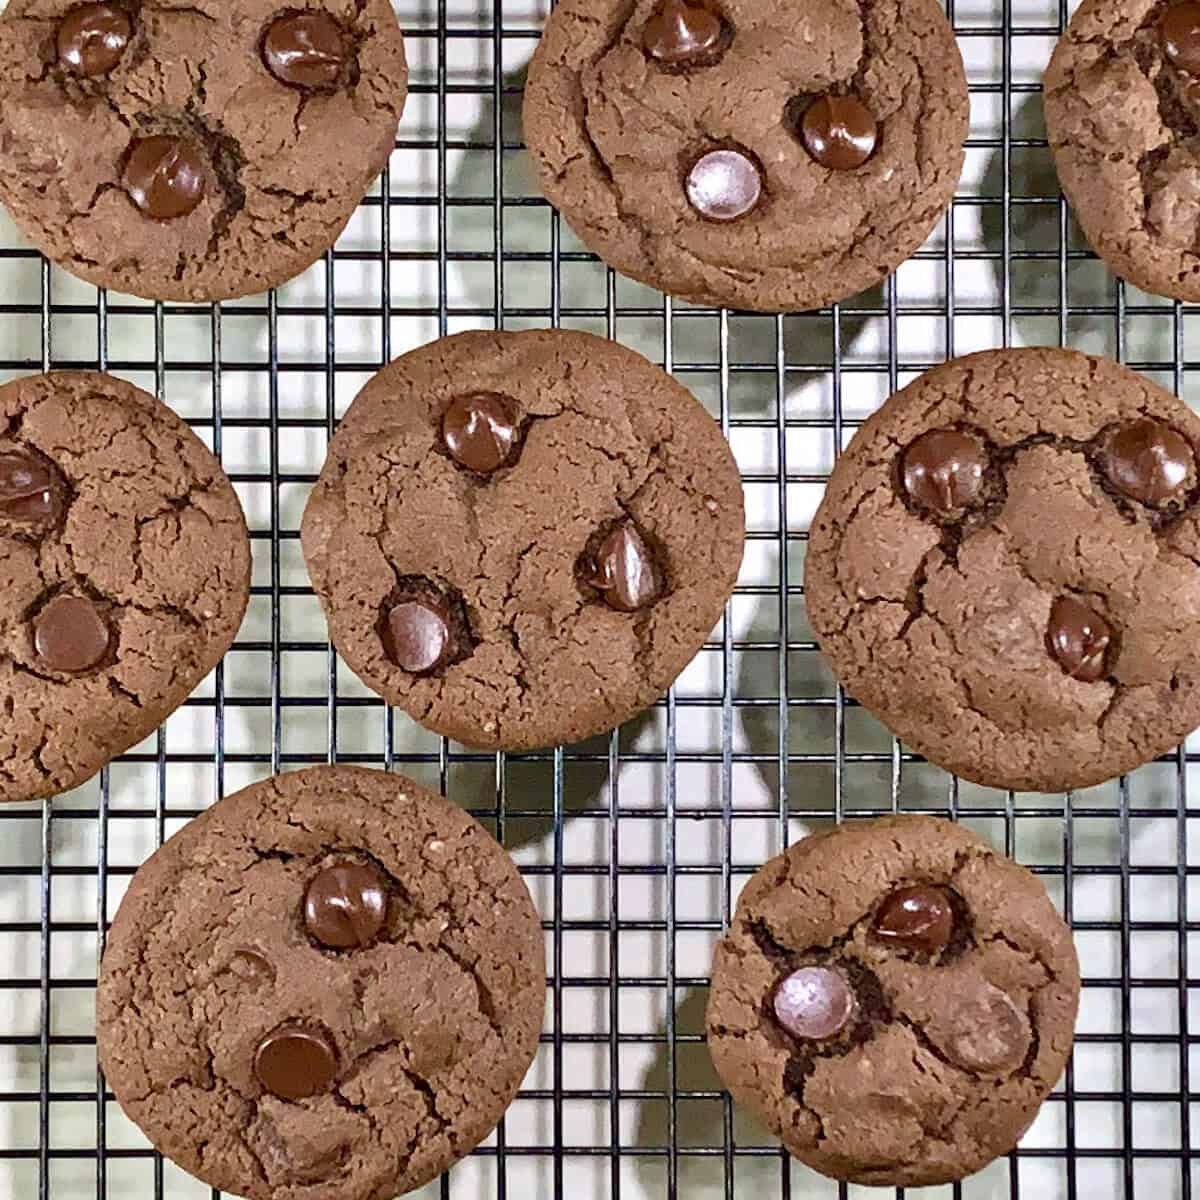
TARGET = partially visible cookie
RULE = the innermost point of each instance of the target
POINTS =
(1005, 569)
(760, 154)
(125, 572)
(327, 987)
(195, 151)
(894, 999)
(523, 538)
(1122, 96)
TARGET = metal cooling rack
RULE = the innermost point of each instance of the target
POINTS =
(635, 846)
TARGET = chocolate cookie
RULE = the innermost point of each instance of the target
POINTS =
(1005, 569)
(126, 571)
(761, 154)
(327, 987)
(1122, 97)
(894, 999)
(522, 538)
(199, 151)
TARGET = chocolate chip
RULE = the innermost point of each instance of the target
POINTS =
(305, 50)
(345, 905)
(165, 176)
(295, 1061)
(1079, 639)
(622, 567)
(480, 430)
(681, 34)
(814, 1003)
(1179, 34)
(70, 635)
(1149, 462)
(985, 1032)
(919, 918)
(943, 471)
(839, 132)
(31, 490)
(93, 38)
(724, 185)
(418, 634)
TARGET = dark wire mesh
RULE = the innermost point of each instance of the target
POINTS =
(635, 846)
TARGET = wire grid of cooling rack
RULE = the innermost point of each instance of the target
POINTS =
(635, 846)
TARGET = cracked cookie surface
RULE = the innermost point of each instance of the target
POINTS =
(217, 997)
(560, 590)
(955, 1035)
(1039, 633)
(271, 170)
(1123, 117)
(126, 570)
(617, 131)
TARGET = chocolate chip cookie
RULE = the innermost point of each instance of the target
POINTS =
(327, 987)
(1006, 569)
(1122, 97)
(194, 152)
(126, 571)
(523, 538)
(894, 999)
(760, 154)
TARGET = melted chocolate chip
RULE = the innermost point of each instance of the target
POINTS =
(305, 50)
(814, 1003)
(1149, 462)
(420, 629)
(683, 34)
(919, 918)
(839, 132)
(345, 906)
(1079, 639)
(93, 38)
(724, 185)
(480, 431)
(943, 471)
(31, 490)
(623, 568)
(165, 176)
(986, 1032)
(418, 636)
(295, 1061)
(1179, 35)
(70, 635)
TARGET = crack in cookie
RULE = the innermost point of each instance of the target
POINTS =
(1123, 118)
(281, 119)
(522, 539)
(761, 155)
(346, 977)
(127, 571)
(1002, 569)
(894, 999)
